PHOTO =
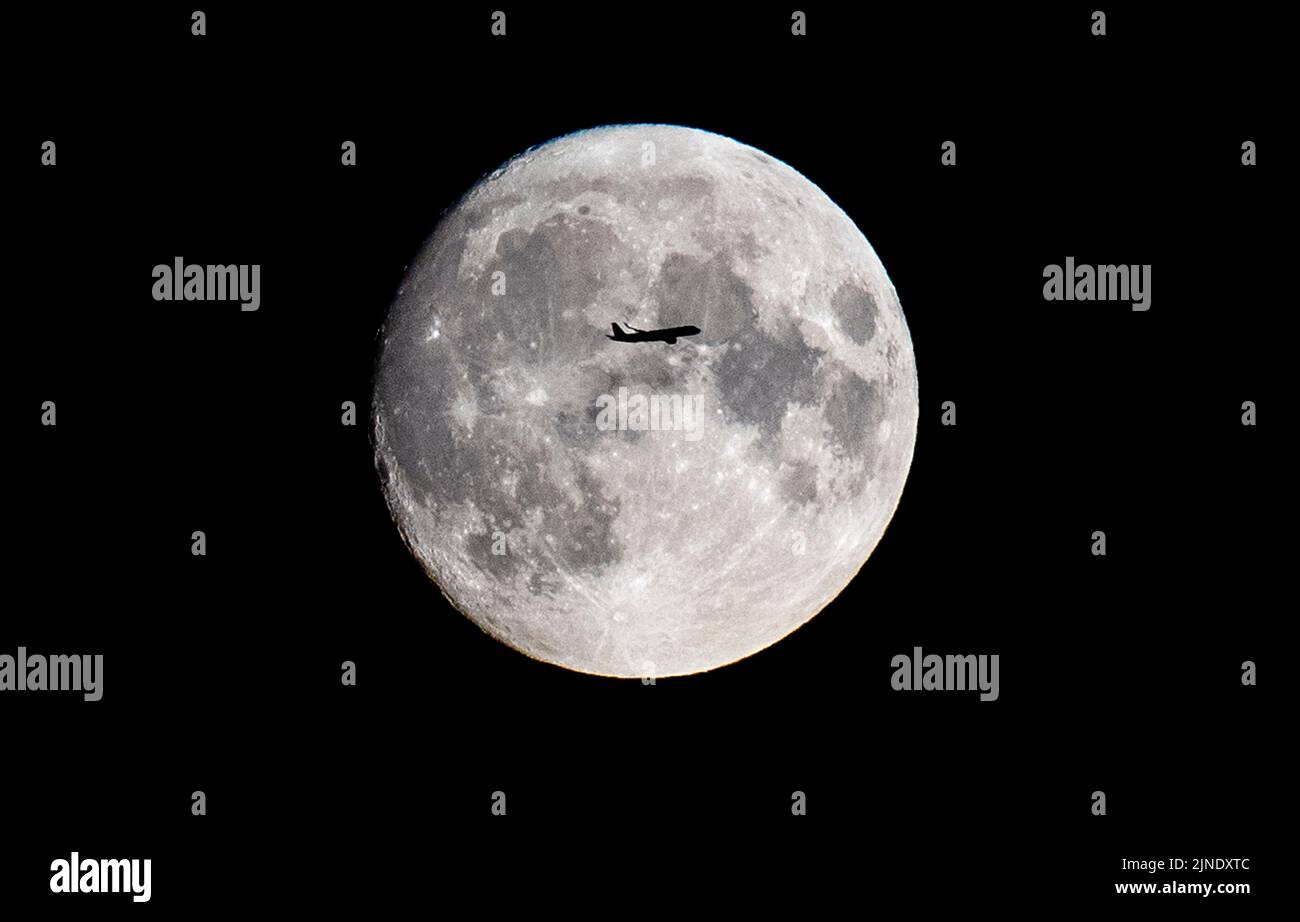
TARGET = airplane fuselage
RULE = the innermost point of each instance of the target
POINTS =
(667, 335)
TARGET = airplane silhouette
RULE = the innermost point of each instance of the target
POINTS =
(668, 335)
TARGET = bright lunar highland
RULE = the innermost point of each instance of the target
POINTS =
(525, 464)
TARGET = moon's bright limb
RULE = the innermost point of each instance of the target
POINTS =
(588, 537)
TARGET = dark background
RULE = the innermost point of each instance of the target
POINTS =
(222, 672)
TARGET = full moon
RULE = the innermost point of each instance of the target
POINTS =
(644, 508)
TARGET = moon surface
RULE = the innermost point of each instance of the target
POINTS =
(723, 513)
